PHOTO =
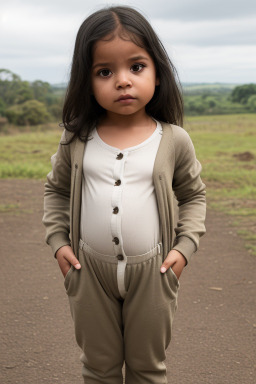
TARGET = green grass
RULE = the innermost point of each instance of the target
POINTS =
(219, 141)
(9, 207)
(231, 182)
(27, 155)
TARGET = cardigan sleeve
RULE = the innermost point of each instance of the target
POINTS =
(56, 216)
(190, 193)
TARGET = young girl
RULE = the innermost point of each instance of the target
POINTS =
(109, 198)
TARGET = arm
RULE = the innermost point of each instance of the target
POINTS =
(57, 199)
(190, 193)
(57, 208)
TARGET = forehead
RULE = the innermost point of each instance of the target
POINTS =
(117, 47)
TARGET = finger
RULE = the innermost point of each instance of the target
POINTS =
(65, 270)
(70, 257)
(63, 264)
(177, 271)
(168, 262)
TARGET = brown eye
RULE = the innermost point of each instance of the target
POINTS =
(137, 67)
(105, 73)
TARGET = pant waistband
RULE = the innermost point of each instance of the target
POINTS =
(157, 250)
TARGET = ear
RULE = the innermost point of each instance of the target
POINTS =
(157, 81)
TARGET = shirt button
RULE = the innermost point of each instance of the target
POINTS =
(118, 182)
(116, 240)
(119, 156)
(115, 210)
(120, 257)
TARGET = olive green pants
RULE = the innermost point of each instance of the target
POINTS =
(132, 327)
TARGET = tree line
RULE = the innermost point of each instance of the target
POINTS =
(25, 103)
(31, 103)
(220, 100)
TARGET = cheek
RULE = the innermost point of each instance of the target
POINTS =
(95, 89)
(100, 93)
(150, 84)
(101, 97)
(99, 88)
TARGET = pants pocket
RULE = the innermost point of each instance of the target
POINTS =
(68, 277)
(172, 279)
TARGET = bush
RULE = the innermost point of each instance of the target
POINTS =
(242, 93)
(31, 112)
(3, 122)
(56, 111)
(252, 103)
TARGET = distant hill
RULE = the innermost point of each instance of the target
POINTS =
(201, 98)
(209, 88)
(59, 85)
(186, 86)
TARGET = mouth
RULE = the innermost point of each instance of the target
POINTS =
(125, 98)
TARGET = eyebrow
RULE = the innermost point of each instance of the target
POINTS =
(134, 58)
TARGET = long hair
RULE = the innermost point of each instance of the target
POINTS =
(81, 111)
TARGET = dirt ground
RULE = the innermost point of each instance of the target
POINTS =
(214, 329)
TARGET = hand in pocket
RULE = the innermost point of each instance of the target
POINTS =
(174, 260)
(65, 257)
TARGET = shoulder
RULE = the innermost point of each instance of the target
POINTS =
(179, 143)
(177, 134)
(65, 149)
(67, 137)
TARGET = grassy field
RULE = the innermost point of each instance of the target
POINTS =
(27, 154)
(225, 146)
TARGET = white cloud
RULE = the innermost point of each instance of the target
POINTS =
(234, 64)
(37, 38)
(208, 33)
(170, 9)
(27, 29)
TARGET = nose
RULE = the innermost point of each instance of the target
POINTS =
(123, 80)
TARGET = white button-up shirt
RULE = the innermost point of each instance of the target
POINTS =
(119, 212)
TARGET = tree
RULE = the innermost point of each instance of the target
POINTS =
(12, 89)
(31, 112)
(242, 93)
(252, 103)
(2, 107)
(41, 89)
(6, 75)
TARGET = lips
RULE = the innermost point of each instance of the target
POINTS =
(125, 97)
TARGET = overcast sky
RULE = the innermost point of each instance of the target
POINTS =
(208, 40)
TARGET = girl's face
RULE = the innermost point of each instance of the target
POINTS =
(123, 76)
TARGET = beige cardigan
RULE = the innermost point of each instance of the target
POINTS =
(176, 169)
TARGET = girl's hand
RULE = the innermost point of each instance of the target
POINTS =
(66, 258)
(174, 260)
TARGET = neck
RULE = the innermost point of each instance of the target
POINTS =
(126, 121)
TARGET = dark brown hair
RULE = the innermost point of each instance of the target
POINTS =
(81, 110)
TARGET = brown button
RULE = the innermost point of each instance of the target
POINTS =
(115, 210)
(118, 182)
(120, 257)
(119, 156)
(116, 240)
